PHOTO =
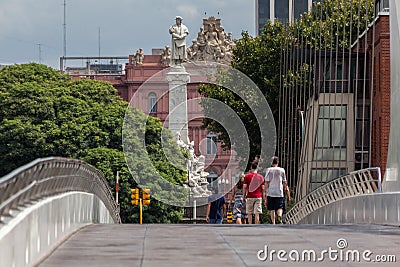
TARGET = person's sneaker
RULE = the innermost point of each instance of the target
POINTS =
(279, 219)
(284, 218)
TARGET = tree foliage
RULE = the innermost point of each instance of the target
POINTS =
(334, 24)
(43, 113)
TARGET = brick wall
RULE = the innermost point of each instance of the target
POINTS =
(381, 94)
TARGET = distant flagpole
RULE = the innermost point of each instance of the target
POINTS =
(65, 29)
(99, 45)
(65, 33)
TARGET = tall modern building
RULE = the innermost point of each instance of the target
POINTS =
(282, 10)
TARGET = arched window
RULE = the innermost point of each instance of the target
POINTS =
(212, 147)
(152, 103)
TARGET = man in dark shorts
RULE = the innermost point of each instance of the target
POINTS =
(275, 184)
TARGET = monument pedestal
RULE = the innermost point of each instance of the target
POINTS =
(178, 120)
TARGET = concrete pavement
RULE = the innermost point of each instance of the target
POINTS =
(229, 245)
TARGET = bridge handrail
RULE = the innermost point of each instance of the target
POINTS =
(50, 176)
(353, 184)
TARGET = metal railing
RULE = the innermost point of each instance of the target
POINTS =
(47, 177)
(354, 184)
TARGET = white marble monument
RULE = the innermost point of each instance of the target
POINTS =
(178, 79)
(212, 44)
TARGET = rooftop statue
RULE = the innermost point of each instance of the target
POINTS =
(138, 57)
(213, 44)
(179, 33)
(166, 56)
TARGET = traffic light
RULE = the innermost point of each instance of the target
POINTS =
(229, 217)
(146, 196)
(135, 196)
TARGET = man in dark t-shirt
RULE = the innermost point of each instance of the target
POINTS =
(215, 209)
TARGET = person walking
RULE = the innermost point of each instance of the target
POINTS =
(253, 187)
(275, 185)
(239, 206)
(216, 208)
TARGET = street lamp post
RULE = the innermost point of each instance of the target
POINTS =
(223, 185)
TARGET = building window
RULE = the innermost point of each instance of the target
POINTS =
(282, 10)
(152, 103)
(300, 7)
(334, 81)
(362, 128)
(211, 144)
(363, 136)
(330, 143)
(320, 177)
(263, 14)
(211, 178)
(381, 6)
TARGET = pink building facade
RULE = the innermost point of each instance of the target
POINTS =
(145, 87)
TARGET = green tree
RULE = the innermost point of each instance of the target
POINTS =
(156, 163)
(341, 20)
(43, 113)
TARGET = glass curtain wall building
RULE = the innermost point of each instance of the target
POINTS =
(282, 10)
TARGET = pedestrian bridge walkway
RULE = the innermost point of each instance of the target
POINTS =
(228, 245)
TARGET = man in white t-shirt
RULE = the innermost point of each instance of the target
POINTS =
(275, 185)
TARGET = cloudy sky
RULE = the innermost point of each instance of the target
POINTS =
(32, 30)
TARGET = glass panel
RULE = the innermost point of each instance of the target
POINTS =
(323, 133)
(338, 132)
(333, 112)
(360, 126)
(314, 186)
(263, 7)
(282, 10)
(152, 103)
(339, 153)
(360, 111)
(339, 70)
(263, 14)
(328, 70)
(325, 154)
(211, 144)
(331, 140)
(321, 176)
(300, 6)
